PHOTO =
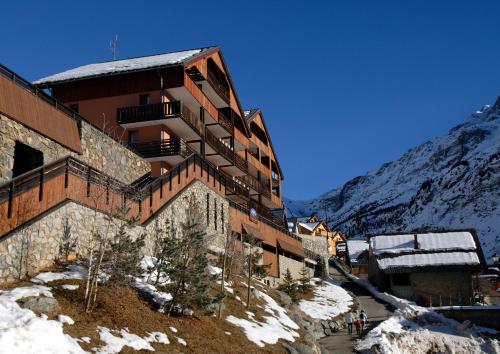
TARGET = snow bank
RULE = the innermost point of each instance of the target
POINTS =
(329, 301)
(69, 287)
(274, 327)
(418, 330)
(123, 338)
(74, 272)
(21, 331)
(65, 319)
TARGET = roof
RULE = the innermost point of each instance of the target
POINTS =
(355, 248)
(416, 251)
(290, 248)
(124, 65)
(250, 114)
(309, 225)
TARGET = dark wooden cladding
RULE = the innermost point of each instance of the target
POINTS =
(108, 86)
(30, 110)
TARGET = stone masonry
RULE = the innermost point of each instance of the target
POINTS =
(37, 245)
(99, 150)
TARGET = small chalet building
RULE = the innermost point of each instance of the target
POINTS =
(433, 268)
(357, 257)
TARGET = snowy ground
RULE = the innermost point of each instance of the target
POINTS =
(271, 328)
(418, 330)
(329, 301)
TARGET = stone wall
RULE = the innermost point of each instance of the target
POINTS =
(289, 263)
(317, 244)
(99, 150)
(457, 285)
(37, 245)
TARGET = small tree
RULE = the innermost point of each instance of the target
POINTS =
(305, 280)
(289, 286)
(122, 256)
(68, 242)
(184, 262)
(254, 268)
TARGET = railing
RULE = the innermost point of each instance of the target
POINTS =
(225, 122)
(166, 147)
(219, 146)
(240, 162)
(252, 182)
(156, 111)
(217, 86)
(235, 188)
(264, 219)
(26, 85)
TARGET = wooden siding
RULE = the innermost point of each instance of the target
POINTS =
(29, 110)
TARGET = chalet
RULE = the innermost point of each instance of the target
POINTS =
(357, 257)
(143, 132)
(431, 268)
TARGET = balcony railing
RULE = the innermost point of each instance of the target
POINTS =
(240, 162)
(219, 146)
(156, 111)
(220, 89)
(233, 187)
(167, 147)
(225, 122)
(252, 182)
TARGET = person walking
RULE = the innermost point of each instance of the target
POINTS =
(364, 319)
(349, 319)
(357, 324)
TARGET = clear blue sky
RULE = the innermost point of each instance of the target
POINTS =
(344, 85)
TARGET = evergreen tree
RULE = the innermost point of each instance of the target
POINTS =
(184, 262)
(122, 256)
(289, 286)
(259, 271)
(304, 281)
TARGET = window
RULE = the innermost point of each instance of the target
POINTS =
(74, 107)
(133, 137)
(208, 209)
(401, 279)
(222, 217)
(215, 213)
(25, 159)
(143, 100)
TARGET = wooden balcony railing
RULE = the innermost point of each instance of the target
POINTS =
(240, 162)
(251, 182)
(166, 147)
(156, 111)
(225, 122)
(221, 90)
(219, 146)
(269, 221)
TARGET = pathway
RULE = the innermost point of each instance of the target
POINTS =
(376, 310)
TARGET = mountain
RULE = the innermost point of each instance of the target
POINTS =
(448, 182)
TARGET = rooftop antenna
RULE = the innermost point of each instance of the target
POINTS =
(113, 46)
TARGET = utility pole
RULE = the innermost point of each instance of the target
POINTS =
(113, 46)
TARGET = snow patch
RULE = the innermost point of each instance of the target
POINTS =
(74, 272)
(115, 340)
(329, 301)
(65, 319)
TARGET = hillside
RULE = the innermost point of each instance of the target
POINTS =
(451, 181)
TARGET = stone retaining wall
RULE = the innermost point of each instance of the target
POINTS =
(99, 150)
(37, 245)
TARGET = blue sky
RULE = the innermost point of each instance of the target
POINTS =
(344, 85)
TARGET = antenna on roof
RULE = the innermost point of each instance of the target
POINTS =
(113, 46)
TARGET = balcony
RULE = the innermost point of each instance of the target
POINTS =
(235, 190)
(217, 86)
(221, 154)
(176, 116)
(172, 151)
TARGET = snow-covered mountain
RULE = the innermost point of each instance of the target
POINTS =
(448, 182)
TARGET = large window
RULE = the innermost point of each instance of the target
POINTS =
(25, 159)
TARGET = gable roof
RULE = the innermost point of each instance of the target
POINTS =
(125, 65)
(413, 251)
(250, 114)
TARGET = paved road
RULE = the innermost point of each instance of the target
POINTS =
(342, 342)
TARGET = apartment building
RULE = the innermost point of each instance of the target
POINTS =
(157, 124)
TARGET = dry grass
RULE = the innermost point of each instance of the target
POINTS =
(121, 307)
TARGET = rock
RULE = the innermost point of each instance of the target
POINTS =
(289, 349)
(284, 300)
(301, 348)
(41, 304)
(309, 338)
(328, 331)
(187, 312)
(325, 324)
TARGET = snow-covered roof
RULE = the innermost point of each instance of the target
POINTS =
(249, 114)
(309, 225)
(355, 248)
(433, 241)
(125, 65)
(429, 259)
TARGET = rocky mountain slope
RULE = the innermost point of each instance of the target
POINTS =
(448, 182)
